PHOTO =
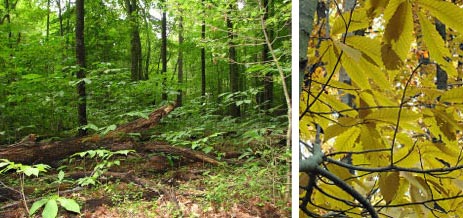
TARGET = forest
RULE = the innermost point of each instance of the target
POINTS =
(145, 108)
(380, 108)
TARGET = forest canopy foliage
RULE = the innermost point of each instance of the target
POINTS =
(381, 108)
(38, 64)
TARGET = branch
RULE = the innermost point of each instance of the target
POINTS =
(402, 103)
(347, 188)
(393, 168)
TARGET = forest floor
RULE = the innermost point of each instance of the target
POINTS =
(195, 189)
(252, 184)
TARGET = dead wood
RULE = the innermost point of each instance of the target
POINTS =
(48, 153)
(31, 152)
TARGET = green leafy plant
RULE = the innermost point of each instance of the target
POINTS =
(104, 159)
(50, 204)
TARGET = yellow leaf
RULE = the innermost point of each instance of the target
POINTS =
(446, 12)
(389, 184)
(390, 115)
(398, 34)
(344, 123)
(436, 45)
(349, 51)
(341, 172)
(346, 140)
(368, 98)
(359, 21)
(454, 95)
(337, 105)
(375, 7)
(371, 48)
(356, 73)
(330, 56)
(383, 98)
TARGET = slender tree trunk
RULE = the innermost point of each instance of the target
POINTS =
(180, 61)
(164, 51)
(136, 56)
(60, 17)
(148, 43)
(48, 19)
(203, 57)
(233, 66)
(68, 22)
(80, 56)
(268, 79)
(8, 19)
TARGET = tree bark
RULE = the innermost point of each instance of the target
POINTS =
(80, 56)
(267, 98)
(203, 57)
(306, 16)
(60, 17)
(148, 44)
(135, 50)
(27, 152)
(233, 66)
(164, 51)
(48, 19)
(180, 62)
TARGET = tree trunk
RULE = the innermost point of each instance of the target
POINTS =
(80, 57)
(135, 51)
(164, 52)
(60, 17)
(52, 152)
(233, 66)
(48, 19)
(180, 61)
(203, 57)
(148, 43)
(267, 98)
(306, 18)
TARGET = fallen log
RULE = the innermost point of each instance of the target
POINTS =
(31, 152)
(48, 153)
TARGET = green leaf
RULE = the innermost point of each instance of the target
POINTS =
(60, 175)
(136, 114)
(69, 204)
(28, 171)
(32, 76)
(36, 205)
(108, 129)
(51, 209)
(446, 12)
(91, 126)
(124, 152)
